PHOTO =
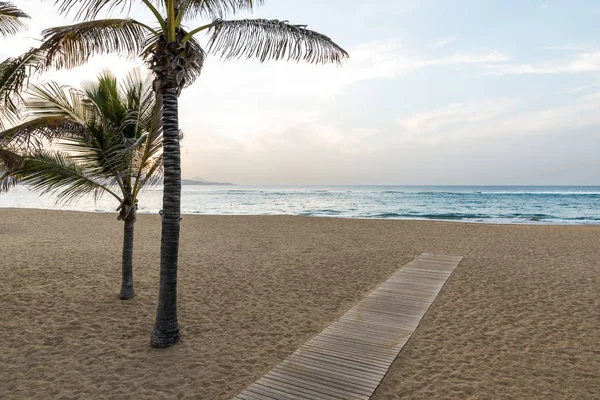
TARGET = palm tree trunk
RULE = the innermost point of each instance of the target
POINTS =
(127, 283)
(166, 329)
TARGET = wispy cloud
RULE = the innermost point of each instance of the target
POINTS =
(374, 60)
(442, 42)
(584, 88)
(454, 121)
(462, 121)
(583, 62)
(575, 47)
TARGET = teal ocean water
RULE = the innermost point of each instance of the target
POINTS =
(492, 204)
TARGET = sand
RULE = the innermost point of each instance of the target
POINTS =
(518, 319)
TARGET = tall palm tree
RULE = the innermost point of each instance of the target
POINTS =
(176, 59)
(11, 18)
(109, 142)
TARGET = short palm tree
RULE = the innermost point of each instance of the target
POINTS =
(176, 59)
(108, 138)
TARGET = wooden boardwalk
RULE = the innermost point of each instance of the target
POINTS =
(349, 358)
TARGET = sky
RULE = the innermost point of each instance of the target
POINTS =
(435, 92)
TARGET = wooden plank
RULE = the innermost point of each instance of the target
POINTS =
(321, 386)
(364, 335)
(325, 383)
(348, 353)
(382, 321)
(293, 392)
(382, 317)
(322, 362)
(264, 393)
(246, 396)
(338, 374)
(336, 360)
(359, 342)
(350, 357)
(346, 347)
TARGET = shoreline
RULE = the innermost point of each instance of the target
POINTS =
(449, 220)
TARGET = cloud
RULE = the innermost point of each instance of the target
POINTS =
(584, 62)
(438, 146)
(454, 121)
(581, 113)
(248, 99)
(379, 8)
(574, 47)
(467, 121)
(368, 61)
(442, 42)
(584, 88)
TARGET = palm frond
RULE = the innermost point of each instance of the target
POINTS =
(138, 95)
(35, 132)
(14, 74)
(272, 40)
(108, 153)
(89, 9)
(72, 45)
(110, 108)
(151, 174)
(55, 172)
(10, 19)
(53, 100)
(216, 8)
(151, 151)
(136, 89)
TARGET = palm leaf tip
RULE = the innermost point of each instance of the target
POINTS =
(10, 18)
(272, 40)
(218, 8)
(89, 9)
(10, 161)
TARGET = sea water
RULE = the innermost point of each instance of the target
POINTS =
(492, 204)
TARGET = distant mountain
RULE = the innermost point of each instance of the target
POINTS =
(202, 182)
(198, 182)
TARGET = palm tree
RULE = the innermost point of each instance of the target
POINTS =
(109, 142)
(10, 19)
(176, 59)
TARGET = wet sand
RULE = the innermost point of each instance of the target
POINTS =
(518, 319)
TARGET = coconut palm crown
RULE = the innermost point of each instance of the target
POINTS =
(176, 58)
(106, 140)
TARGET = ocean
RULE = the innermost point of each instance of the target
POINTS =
(491, 204)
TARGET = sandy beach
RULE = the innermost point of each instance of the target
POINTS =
(519, 318)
